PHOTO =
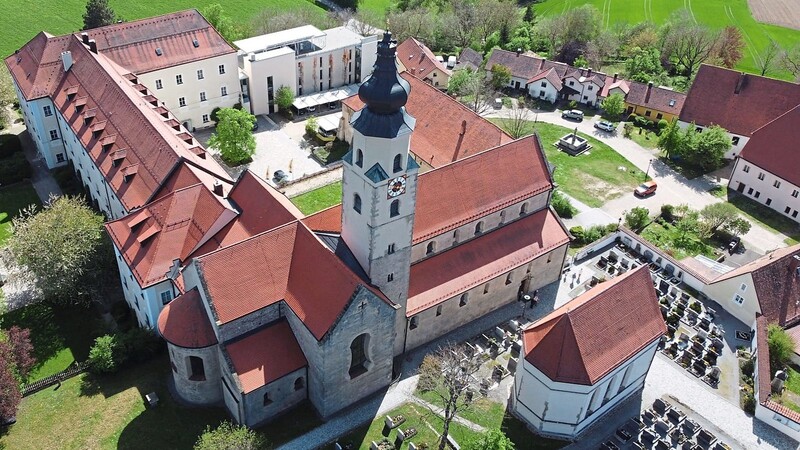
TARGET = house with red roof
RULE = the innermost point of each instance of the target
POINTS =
(738, 102)
(416, 58)
(587, 356)
(768, 168)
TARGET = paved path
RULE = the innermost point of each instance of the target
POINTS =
(673, 187)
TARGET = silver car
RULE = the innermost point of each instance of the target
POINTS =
(605, 126)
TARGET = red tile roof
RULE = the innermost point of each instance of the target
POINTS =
(184, 322)
(277, 265)
(550, 75)
(261, 208)
(457, 193)
(623, 85)
(472, 263)
(36, 67)
(257, 367)
(133, 44)
(418, 59)
(712, 99)
(168, 229)
(584, 340)
(774, 147)
(438, 138)
(659, 99)
(441, 208)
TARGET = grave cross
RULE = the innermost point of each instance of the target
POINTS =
(362, 305)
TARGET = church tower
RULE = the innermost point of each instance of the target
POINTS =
(379, 183)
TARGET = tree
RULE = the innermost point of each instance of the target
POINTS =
(717, 215)
(643, 64)
(474, 90)
(7, 97)
(707, 149)
(98, 14)
(530, 14)
(363, 21)
(10, 395)
(637, 218)
(458, 80)
(738, 226)
(215, 15)
(613, 105)
(687, 226)
(62, 246)
(730, 47)
(15, 365)
(228, 436)
(670, 140)
(234, 136)
(517, 120)
(781, 347)
(493, 439)
(768, 58)
(105, 356)
(790, 60)
(501, 76)
(687, 42)
(448, 376)
(284, 97)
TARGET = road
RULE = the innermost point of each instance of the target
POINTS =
(673, 188)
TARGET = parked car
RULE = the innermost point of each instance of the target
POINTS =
(645, 189)
(605, 126)
(574, 114)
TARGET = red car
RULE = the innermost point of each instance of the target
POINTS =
(645, 189)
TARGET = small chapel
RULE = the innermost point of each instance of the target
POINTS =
(277, 308)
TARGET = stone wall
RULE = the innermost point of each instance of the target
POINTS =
(282, 395)
(204, 391)
(250, 322)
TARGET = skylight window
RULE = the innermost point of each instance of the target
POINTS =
(159, 52)
(196, 43)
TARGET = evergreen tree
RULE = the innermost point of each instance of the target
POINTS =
(530, 14)
(98, 14)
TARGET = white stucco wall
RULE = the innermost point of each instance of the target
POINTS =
(146, 304)
(190, 90)
(560, 409)
(39, 126)
(278, 64)
(543, 89)
(760, 186)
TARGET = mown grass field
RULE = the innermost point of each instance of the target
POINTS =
(21, 21)
(714, 13)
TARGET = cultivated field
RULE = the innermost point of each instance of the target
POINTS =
(714, 13)
(21, 20)
(785, 13)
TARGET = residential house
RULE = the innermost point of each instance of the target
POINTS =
(305, 59)
(413, 56)
(469, 59)
(768, 168)
(588, 356)
(654, 103)
(739, 102)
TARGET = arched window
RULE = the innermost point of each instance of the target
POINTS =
(502, 217)
(478, 228)
(463, 300)
(398, 163)
(394, 209)
(357, 203)
(299, 383)
(414, 323)
(358, 355)
(523, 209)
(509, 278)
(431, 248)
(486, 288)
(455, 235)
(197, 371)
(267, 399)
(359, 158)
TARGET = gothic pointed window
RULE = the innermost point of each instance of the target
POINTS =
(478, 228)
(431, 248)
(523, 209)
(359, 158)
(394, 209)
(197, 371)
(398, 163)
(358, 355)
(357, 203)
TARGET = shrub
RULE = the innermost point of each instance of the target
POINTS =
(105, 356)
(139, 344)
(662, 124)
(9, 144)
(668, 212)
(15, 168)
(311, 126)
(637, 218)
(781, 347)
(228, 436)
(214, 114)
(673, 319)
(695, 306)
(748, 402)
(642, 122)
(748, 367)
(573, 104)
(577, 233)
(562, 205)
(627, 129)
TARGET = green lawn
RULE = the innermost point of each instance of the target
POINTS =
(319, 199)
(644, 137)
(60, 335)
(766, 217)
(667, 238)
(378, 7)
(593, 178)
(12, 199)
(793, 382)
(22, 21)
(714, 13)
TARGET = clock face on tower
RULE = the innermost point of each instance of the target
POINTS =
(396, 187)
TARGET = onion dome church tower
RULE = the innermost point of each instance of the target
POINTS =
(379, 183)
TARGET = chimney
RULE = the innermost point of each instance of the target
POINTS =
(218, 188)
(93, 45)
(615, 76)
(85, 38)
(519, 51)
(251, 57)
(740, 83)
(589, 72)
(463, 127)
(66, 58)
(649, 89)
